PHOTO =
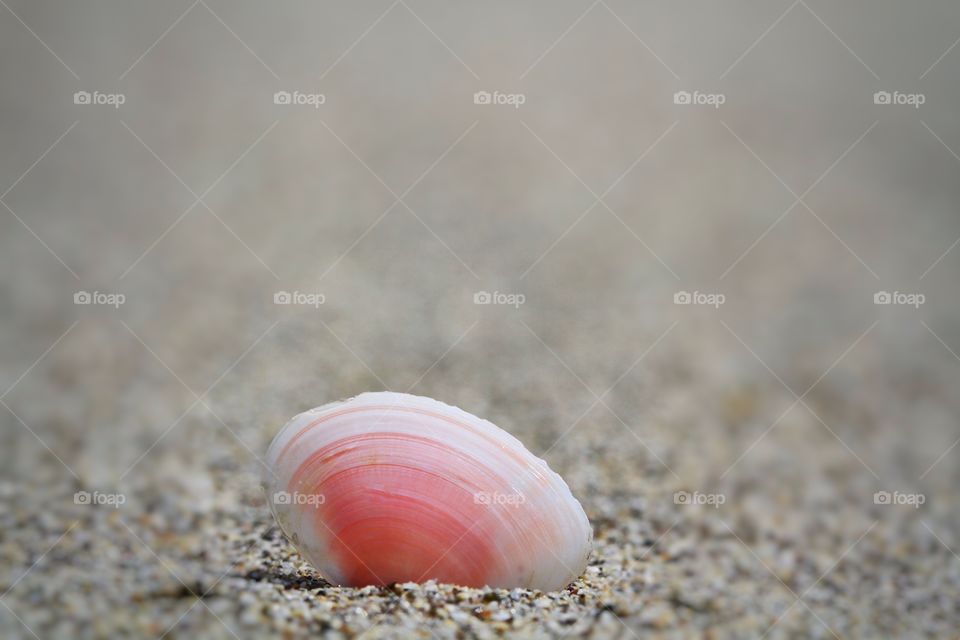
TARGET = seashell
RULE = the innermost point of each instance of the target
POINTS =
(389, 487)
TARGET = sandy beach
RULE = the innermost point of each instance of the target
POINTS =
(702, 259)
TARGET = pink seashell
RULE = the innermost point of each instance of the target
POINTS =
(388, 487)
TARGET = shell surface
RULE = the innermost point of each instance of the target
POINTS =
(389, 487)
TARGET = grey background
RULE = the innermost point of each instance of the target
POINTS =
(501, 201)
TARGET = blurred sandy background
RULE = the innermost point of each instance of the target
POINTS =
(398, 200)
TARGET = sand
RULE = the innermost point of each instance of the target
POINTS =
(777, 463)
